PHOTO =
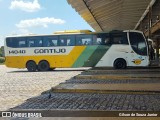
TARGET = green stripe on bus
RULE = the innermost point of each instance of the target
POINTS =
(96, 56)
(89, 50)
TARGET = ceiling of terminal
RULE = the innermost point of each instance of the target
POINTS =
(107, 15)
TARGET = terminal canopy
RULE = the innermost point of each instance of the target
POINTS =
(107, 15)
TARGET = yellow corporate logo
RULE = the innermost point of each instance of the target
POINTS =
(137, 61)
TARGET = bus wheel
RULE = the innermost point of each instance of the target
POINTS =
(31, 66)
(120, 64)
(43, 66)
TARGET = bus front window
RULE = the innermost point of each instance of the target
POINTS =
(138, 43)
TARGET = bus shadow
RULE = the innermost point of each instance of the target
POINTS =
(94, 68)
(25, 71)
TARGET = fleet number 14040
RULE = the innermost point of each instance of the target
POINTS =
(17, 51)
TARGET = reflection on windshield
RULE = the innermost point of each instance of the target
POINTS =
(138, 43)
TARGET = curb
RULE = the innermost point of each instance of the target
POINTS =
(111, 77)
(103, 91)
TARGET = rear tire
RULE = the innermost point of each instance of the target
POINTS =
(43, 66)
(31, 66)
(120, 64)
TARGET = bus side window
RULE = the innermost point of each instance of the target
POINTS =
(96, 40)
(84, 40)
(54, 42)
(38, 43)
(120, 38)
(34, 42)
(49, 41)
(106, 41)
(30, 43)
(125, 39)
(78, 42)
(116, 40)
(63, 42)
(22, 42)
(67, 40)
(101, 39)
(9, 42)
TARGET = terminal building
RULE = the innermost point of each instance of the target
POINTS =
(108, 15)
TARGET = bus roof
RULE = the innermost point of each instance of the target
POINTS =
(72, 31)
(69, 32)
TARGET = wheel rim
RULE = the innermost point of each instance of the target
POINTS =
(43, 66)
(120, 64)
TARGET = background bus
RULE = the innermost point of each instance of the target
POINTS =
(117, 49)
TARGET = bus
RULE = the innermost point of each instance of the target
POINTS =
(81, 48)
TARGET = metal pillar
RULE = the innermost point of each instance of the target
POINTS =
(149, 21)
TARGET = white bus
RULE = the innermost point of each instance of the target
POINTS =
(82, 48)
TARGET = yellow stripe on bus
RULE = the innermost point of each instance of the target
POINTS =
(54, 60)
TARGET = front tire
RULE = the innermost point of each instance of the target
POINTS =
(120, 64)
(31, 66)
(43, 66)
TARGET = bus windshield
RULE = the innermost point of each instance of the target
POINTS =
(138, 43)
